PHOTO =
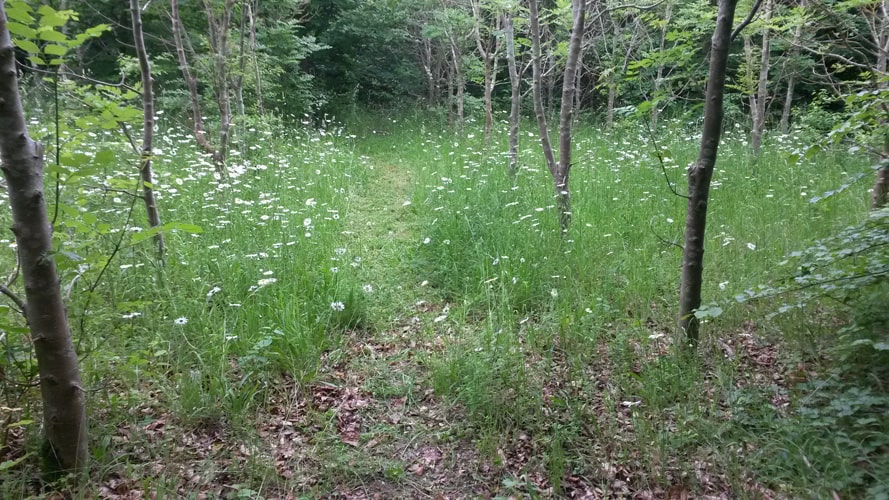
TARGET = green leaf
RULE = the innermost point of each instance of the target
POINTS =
(12, 463)
(20, 11)
(21, 30)
(20, 423)
(37, 60)
(52, 36)
(55, 50)
(28, 46)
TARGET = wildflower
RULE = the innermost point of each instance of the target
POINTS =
(334, 270)
(311, 202)
(426, 241)
(307, 222)
(367, 289)
(213, 291)
(180, 321)
(337, 306)
(266, 281)
(751, 246)
(131, 315)
(554, 293)
(339, 251)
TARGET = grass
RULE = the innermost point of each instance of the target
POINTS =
(381, 310)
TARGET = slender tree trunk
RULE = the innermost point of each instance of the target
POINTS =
(791, 80)
(762, 90)
(154, 218)
(566, 112)
(219, 44)
(880, 195)
(197, 117)
(251, 11)
(459, 84)
(516, 97)
(612, 97)
(487, 50)
(537, 85)
(700, 174)
(659, 76)
(238, 83)
(451, 100)
(427, 70)
(21, 160)
(560, 170)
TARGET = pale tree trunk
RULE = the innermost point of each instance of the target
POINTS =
(791, 79)
(219, 44)
(880, 34)
(516, 97)
(488, 51)
(561, 170)
(64, 399)
(459, 84)
(148, 197)
(238, 82)
(758, 108)
(197, 117)
(700, 174)
(659, 76)
(251, 12)
(451, 104)
(426, 56)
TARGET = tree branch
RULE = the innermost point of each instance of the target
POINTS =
(753, 11)
(15, 298)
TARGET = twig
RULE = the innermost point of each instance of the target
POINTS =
(660, 158)
(112, 190)
(745, 22)
(15, 298)
(664, 240)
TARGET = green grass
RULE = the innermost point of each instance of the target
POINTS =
(392, 275)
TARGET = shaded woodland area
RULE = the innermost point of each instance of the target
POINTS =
(444, 248)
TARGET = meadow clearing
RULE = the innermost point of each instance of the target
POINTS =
(378, 311)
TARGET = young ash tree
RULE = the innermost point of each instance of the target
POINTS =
(64, 401)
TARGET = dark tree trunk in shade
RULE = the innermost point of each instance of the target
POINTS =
(700, 174)
(64, 414)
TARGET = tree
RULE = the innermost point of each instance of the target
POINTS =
(515, 83)
(64, 399)
(760, 94)
(488, 43)
(560, 170)
(701, 172)
(148, 197)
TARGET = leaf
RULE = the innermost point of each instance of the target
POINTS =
(28, 46)
(55, 50)
(12, 463)
(21, 30)
(20, 423)
(53, 36)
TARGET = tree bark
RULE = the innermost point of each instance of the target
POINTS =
(64, 401)
(488, 51)
(537, 84)
(880, 28)
(251, 12)
(700, 174)
(148, 197)
(566, 113)
(791, 79)
(659, 75)
(516, 97)
(560, 170)
(197, 117)
(219, 44)
(762, 91)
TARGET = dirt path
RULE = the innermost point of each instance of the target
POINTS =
(372, 425)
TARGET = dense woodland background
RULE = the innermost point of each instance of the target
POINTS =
(287, 248)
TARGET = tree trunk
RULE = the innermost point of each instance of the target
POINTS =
(560, 170)
(700, 174)
(148, 197)
(238, 82)
(536, 77)
(219, 44)
(880, 195)
(251, 11)
(791, 80)
(459, 85)
(488, 50)
(566, 112)
(64, 400)
(516, 97)
(197, 118)
(659, 75)
(762, 90)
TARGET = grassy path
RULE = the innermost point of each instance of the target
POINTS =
(387, 435)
